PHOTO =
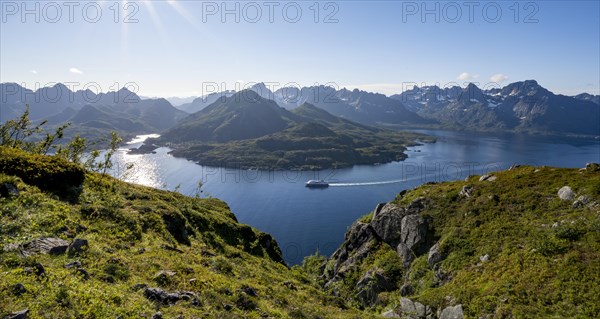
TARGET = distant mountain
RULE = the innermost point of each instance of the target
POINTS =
(520, 106)
(588, 97)
(90, 114)
(247, 130)
(201, 102)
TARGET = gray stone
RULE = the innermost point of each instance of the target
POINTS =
(566, 193)
(78, 246)
(371, 284)
(387, 223)
(592, 167)
(390, 314)
(378, 209)
(18, 289)
(73, 264)
(582, 201)
(409, 309)
(485, 258)
(157, 315)
(487, 177)
(466, 191)
(46, 245)
(21, 314)
(164, 297)
(435, 255)
(414, 231)
(455, 312)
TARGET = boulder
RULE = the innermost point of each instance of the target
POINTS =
(566, 193)
(356, 247)
(18, 289)
(370, 285)
(435, 255)
(8, 190)
(387, 223)
(413, 310)
(390, 314)
(455, 312)
(21, 314)
(582, 201)
(164, 297)
(592, 167)
(466, 191)
(46, 245)
(485, 258)
(414, 231)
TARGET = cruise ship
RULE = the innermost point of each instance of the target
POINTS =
(317, 184)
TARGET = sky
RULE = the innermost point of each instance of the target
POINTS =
(190, 48)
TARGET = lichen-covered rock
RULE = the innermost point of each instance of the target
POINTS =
(455, 312)
(45, 245)
(409, 309)
(435, 255)
(371, 284)
(566, 193)
(387, 223)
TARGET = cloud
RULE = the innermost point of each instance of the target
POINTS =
(498, 78)
(33, 72)
(75, 71)
(467, 76)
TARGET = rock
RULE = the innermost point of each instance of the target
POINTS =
(137, 287)
(466, 191)
(356, 247)
(370, 285)
(566, 193)
(435, 255)
(390, 314)
(8, 190)
(249, 291)
(582, 201)
(413, 310)
(73, 264)
(514, 166)
(46, 245)
(405, 254)
(157, 315)
(387, 223)
(455, 312)
(378, 209)
(78, 246)
(414, 232)
(18, 289)
(592, 167)
(290, 285)
(37, 269)
(487, 177)
(21, 314)
(485, 258)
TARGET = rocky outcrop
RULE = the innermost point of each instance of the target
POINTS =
(168, 298)
(356, 247)
(387, 223)
(409, 309)
(45, 245)
(370, 285)
(435, 255)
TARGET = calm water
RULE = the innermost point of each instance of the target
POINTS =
(304, 220)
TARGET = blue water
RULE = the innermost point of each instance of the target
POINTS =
(305, 220)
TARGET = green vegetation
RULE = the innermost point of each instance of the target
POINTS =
(246, 131)
(543, 253)
(134, 233)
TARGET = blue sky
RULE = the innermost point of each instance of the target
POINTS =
(176, 47)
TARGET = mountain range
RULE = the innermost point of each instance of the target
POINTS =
(517, 107)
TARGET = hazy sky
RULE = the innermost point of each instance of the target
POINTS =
(178, 48)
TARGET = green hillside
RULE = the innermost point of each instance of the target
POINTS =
(118, 250)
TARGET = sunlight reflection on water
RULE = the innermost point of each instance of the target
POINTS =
(137, 168)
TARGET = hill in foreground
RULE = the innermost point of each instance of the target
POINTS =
(522, 243)
(246, 130)
(75, 244)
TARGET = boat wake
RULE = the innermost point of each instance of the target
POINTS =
(367, 183)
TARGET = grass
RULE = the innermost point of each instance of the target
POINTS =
(134, 232)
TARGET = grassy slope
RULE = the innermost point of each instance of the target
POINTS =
(127, 231)
(535, 270)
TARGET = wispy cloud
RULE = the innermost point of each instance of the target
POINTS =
(75, 71)
(498, 78)
(465, 76)
(33, 72)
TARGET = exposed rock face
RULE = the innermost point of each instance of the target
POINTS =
(371, 284)
(455, 312)
(387, 223)
(566, 193)
(8, 190)
(356, 247)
